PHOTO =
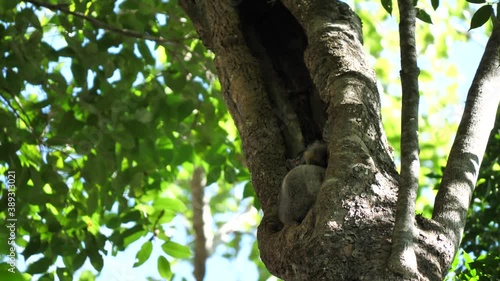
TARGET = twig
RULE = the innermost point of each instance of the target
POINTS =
(99, 24)
(27, 121)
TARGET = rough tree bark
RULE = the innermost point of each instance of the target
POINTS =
(293, 72)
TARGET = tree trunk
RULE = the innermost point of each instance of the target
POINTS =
(293, 72)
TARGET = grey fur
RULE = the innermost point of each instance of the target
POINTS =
(299, 191)
(301, 185)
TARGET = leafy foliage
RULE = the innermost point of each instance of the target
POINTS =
(107, 107)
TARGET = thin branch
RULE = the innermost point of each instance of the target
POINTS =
(403, 259)
(23, 116)
(200, 243)
(460, 176)
(99, 24)
(14, 111)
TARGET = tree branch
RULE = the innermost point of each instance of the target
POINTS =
(99, 24)
(460, 176)
(200, 243)
(24, 116)
(403, 259)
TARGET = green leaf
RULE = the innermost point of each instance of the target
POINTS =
(176, 250)
(31, 154)
(131, 216)
(229, 174)
(387, 4)
(40, 266)
(79, 73)
(33, 246)
(8, 5)
(476, 1)
(25, 18)
(423, 15)
(78, 260)
(96, 260)
(33, 73)
(92, 249)
(132, 234)
(95, 170)
(164, 268)
(467, 258)
(7, 272)
(48, 277)
(213, 174)
(15, 82)
(248, 191)
(172, 204)
(175, 80)
(183, 153)
(87, 275)
(146, 54)
(35, 37)
(435, 4)
(93, 201)
(481, 16)
(64, 274)
(185, 109)
(144, 253)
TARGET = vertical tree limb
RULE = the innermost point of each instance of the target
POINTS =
(200, 242)
(460, 176)
(403, 259)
